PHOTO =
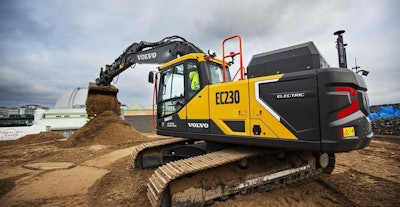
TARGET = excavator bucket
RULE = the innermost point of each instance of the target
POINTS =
(102, 98)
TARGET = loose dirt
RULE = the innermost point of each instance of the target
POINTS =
(101, 99)
(49, 165)
(105, 129)
(103, 175)
(34, 138)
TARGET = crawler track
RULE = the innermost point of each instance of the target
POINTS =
(164, 175)
(199, 180)
(152, 149)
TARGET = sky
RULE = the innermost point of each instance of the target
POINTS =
(51, 47)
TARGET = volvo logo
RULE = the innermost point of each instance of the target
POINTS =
(147, 56)
(198, 125)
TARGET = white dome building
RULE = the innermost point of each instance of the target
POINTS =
(69, 113)
(73, 99)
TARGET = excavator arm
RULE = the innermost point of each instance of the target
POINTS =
(144, 52)
(102, 96)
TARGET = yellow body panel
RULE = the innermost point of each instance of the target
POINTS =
(220, 103)
(197, 108)
(229, 102)
(200, 57)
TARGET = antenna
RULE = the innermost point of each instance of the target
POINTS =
(356, 67)
(341, 49)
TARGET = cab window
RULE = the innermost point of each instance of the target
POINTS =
(171, 94)
(216, 73)
(193, 79)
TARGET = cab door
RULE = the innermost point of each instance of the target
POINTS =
(171, 99)
(197, 108)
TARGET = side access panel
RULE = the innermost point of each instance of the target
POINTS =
(286, 107)
(229, 108)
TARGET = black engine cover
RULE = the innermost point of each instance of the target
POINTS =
(291, 59)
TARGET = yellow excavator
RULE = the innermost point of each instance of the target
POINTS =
(279, 120)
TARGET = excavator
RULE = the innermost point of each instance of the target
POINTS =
(280, 120)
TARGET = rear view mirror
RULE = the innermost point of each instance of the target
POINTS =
(151, 77)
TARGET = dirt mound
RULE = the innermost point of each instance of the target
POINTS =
(34, 138)
(105, 129)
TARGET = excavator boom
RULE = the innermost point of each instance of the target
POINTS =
(102, 96)
(143, 52)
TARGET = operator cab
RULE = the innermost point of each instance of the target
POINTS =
(178, 81)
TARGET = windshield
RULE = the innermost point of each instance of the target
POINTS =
(172, 83)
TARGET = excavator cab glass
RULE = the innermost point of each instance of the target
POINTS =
(217, 74)
(193, 79)
(171, 92)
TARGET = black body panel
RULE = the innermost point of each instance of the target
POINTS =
(343, 145)
(295, 98)
(172, 123)
(248, 141)
(236, 126)
(332, 102)
(286, 60)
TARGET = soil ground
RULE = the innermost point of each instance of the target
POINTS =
(99, 173)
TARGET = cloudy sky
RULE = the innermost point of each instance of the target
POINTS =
(50, 47)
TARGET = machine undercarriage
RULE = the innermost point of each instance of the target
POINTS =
(198, 180)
